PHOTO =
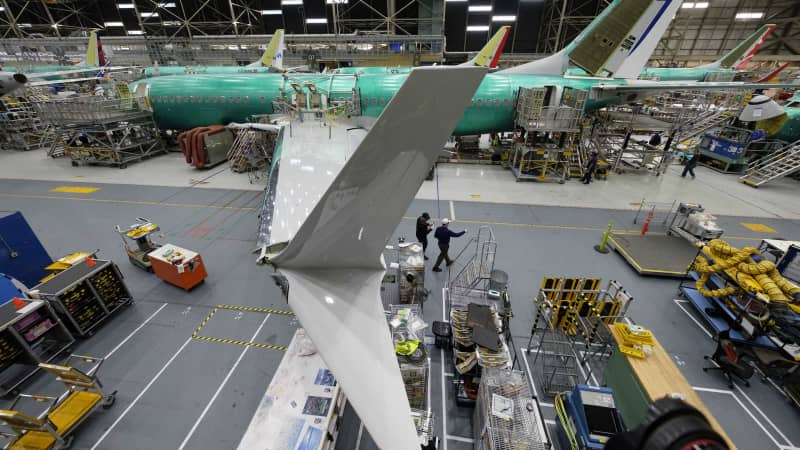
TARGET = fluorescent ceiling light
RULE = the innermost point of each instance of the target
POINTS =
(24, 25)
(316, 20)
(271, 12)
(504, 18)
(291, 2)
(55, 25)
(114, 24)
(2, 8)
(149, 14)
(694, 5)
(125, 5)
(172, 23)
(478, 28)
(166, 5)
(135, 32)
(480, 8)
(338, 2)
(749, 15)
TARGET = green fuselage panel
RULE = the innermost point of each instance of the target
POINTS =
(187, 102)
(670, 73)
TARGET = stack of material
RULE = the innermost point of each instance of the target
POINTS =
(252, 149)
(205, 147)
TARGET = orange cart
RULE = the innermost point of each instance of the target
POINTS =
(179, 266)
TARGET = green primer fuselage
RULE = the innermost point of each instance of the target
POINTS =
(671, 73)
(186, 102)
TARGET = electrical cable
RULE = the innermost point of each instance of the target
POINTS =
(566, 424)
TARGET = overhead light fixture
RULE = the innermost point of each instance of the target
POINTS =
(694, 5)
(125, 6)
(271, 12)
(456, 1)
(24, 25)
(114, 24)
(504, 18)
(135, 32)
(166, 5)
(172, 23)
(317, 20)
(291, 2)
(2, 8)
(478, 28)
(148, 14)
(480, 8)
(749, 15)
(338, 2)
(55, 25)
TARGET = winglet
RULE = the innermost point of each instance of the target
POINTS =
(273, 55)
(490, 53)
(744, 52)
(92, 58)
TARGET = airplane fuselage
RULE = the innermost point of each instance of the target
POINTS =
(150, 72)
(187, 102)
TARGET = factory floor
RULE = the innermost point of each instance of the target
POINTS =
(177, 392)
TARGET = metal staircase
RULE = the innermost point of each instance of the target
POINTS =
(703, 123)
(779, 164)
(476, 272)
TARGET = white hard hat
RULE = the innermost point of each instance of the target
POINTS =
(445, 221)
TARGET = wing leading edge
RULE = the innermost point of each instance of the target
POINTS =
(333, 263)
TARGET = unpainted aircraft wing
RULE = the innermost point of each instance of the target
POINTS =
(333, 260)
(634, 90)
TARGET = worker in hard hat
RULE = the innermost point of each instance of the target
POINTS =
(443, 235)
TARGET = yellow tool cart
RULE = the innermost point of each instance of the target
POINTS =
(53, 427)
(137, 242)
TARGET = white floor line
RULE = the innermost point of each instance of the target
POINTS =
(550, 421)
(547, 405)
(444, 390)
(360, 434)
(221, 386)
(769, 421)
(758, 422)
(429, 387)
(452, 211)
(712, 390)
(128, 337)
(449, 374)
(528, 371)
(697, 322)
(138, 397)
(460, 439)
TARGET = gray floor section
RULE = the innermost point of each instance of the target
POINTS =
(166, 381)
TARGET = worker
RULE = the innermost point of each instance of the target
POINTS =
(591, 166)
(691, 163)
(655, 140)
(443, 235)
(424, 227)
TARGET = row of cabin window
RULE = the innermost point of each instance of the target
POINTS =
(200, 99)
(478, 102)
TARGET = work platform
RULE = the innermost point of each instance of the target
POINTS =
(656, 254)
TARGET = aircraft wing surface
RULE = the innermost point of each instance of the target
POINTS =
(635, 89)
(333, 258)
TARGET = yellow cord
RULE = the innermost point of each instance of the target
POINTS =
(566, 424)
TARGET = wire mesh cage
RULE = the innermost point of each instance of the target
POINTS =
(507, 416)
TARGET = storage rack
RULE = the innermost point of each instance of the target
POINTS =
(104, 131)
(84, 296)
(507, 416)
(28, 336)
(20, 126)
(414, 369)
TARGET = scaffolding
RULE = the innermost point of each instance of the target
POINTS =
(20, 125)
(507, 416)
(252, 149)
(102, 130)
(475, 274)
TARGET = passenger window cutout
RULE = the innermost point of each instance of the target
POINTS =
(479, 102)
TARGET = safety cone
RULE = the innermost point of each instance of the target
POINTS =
(18, 303)
(90, 261)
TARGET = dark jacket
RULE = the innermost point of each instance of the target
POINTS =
(422, 227)
(592, 163)
(443, 235)
(692, 163)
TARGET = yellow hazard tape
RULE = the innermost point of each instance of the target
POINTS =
(196, 334)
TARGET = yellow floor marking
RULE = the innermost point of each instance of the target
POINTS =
(196, 334)
(475, 196)
(758, 227)
(75, 189)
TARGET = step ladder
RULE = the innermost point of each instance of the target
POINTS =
(781, 163)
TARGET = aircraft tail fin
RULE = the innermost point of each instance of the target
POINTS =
(92, 57)
(617, 43)
(273, 55)
(768, 77)
(490, 53)
(623, 42)
(744, 52)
